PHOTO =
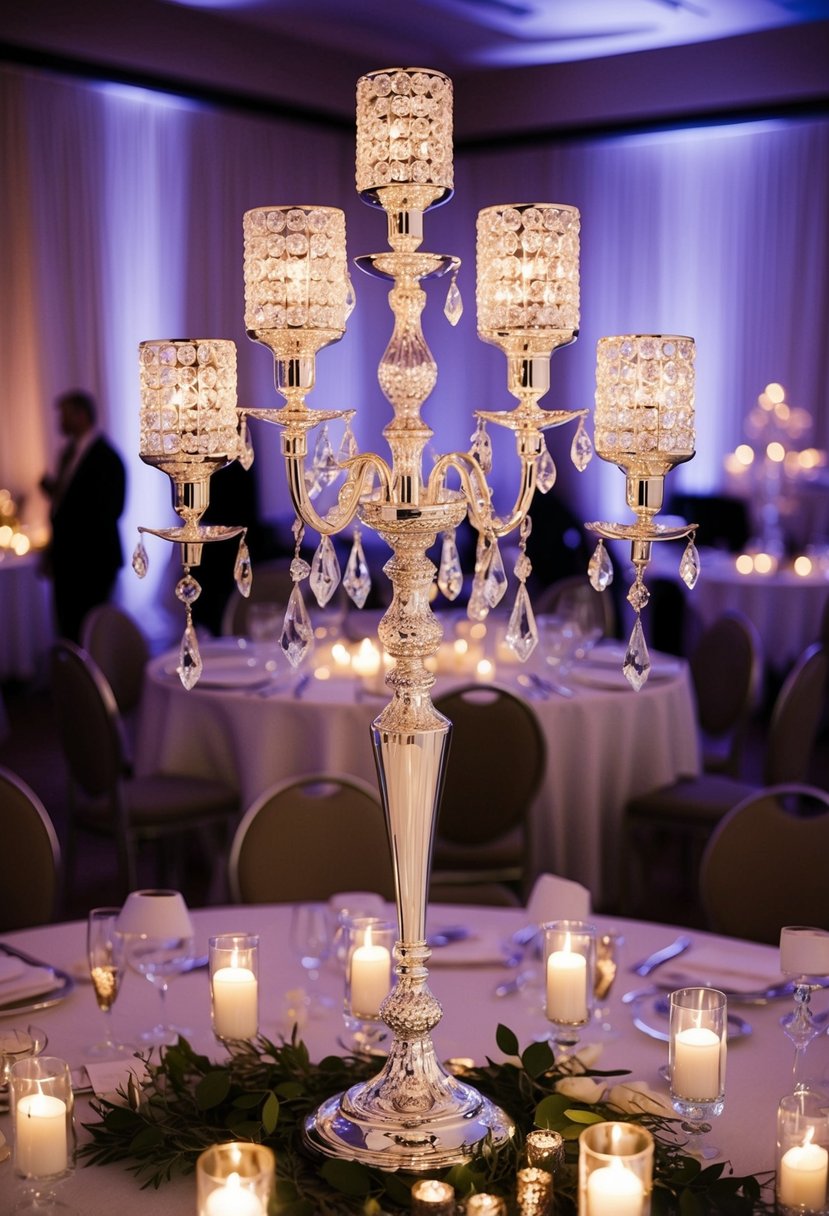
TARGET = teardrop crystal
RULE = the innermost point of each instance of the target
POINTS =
(522, 635)
(545, 471)
(638, 597)
(246, 453)
(242, 570)
(600, 568)
(581, 449)
(453, 308)
(325, 571)
(637, 662)
(495, 576)
(450, 574)
(324, 467)
(481, 449)
(190, 664)
(188, 589)
(348, 448)
(357, 580)
(140, 561)
(477, 609)
(690, 565)
(297, 632)
(350, 297)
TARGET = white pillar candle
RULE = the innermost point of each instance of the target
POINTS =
(370, 979)
(614, 1190)
(803, 1176)
(40, 1136)
(233, 1199)
(235, 1003)
(696, 1066)
(566, 987)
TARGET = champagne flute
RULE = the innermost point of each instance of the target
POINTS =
(105, 952)
(608, 952)
(697, 1048)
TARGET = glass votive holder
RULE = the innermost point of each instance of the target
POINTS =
(545, 1149)
(534, 1191)
(485, 1205)
(235, 1179)
(697, 1051)
(802, 1153)
(233, 961)
(42, 1106)
(368, 979)
(344, 906)
(431, 1197)
(615, 1170)
(569, 966)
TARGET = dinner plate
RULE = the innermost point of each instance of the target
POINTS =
(63, 985)
(233, 669)
(614, 678)
(650, 1015)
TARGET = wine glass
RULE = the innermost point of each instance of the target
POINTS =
(804, 959)
(311, 943)
(697, 1048)
(159, 939)
(105, 952)
(608, 953)
(570, 967)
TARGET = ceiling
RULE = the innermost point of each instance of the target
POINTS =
(483, 34)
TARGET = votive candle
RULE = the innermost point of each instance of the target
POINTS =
(40, 1136)
(431, 1197)
(235, 1003)
(696, 1064)
(566, 987)
(614, 1190)
(233, 1199)
(485, 1205)
(370, 978)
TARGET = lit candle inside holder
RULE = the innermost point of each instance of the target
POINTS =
(233, 1199)
(534, 1191)
(803, 1171)
(570, 949)
(545, 1149)
(614, 1190)
(485, 1205)
(430, 1197)
(697, 1054)
(367, 660)
(696, 1068)
(802, 1151)
(234, 985)
(40, 1136)
(370, 974)
(235, 1179)
(615, 1170)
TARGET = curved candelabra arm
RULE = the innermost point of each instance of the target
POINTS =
(362, 470)
(478, 494)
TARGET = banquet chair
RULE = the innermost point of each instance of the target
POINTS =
(271, 584)
(104, 797)
(309, 837)
(30, 888)
(726, 671)
(483, 832)
(685, 813)
(574, 596)
(765, 865)
(115, 641)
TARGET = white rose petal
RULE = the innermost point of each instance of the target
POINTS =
(636, 1097)
(581, 1089)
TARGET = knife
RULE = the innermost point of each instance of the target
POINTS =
(659, 957)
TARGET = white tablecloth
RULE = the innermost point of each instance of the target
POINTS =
(759, 1066)
(605, 745)
(26, 631)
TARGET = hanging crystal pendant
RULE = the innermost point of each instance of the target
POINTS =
(450, 574)
(324, 466)
(545, 471)
(638, 597)
(325, 571)
(357, 580)
(246, 452)
(690, 565)
(522, 634)
(453, 308)
(348, 448)
(581, 449)
(190, 664)
(140, 561)
(477, 609)
(495, 576)
(637, 662)
(600, 568)
(187, 589)
(297, 633)
(242, 570)
(481, 449)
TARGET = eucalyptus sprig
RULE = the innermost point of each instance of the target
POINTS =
(264, 1091)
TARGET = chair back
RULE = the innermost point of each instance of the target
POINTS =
(765, 864)
(271, 584)
(725, 669)
(31, 879)
(308, 838)
(485, 797)
(574, 597)
(796, 718)
(87, 719)
(115, 641)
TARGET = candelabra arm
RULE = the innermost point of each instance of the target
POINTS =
(361, 472)
(478, 493)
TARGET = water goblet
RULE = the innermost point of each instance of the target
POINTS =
(608, 954)
(569, 966)
(105, 948)
(804, 958)
(311, 943)
(158, 934)
(43, 1125)
(697, 1050)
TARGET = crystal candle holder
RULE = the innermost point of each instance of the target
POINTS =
(569, 967)
(697, 1053)
(545, 1149)
(615, 1170)
(42, 1109)
(802, 1156)
(233, 961)
(430, 1197)
(485, 1205)
(235, 1179)
(368, 979)
(534, 1191)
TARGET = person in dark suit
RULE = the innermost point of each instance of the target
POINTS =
(87, 500)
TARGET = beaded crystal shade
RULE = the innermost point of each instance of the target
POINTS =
(528, 277)
(644, 419)
(188, 404)
(404, 135)
(296, 278)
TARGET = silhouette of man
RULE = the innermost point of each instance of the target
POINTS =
(87, 494)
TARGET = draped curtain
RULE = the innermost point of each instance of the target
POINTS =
(120, 219)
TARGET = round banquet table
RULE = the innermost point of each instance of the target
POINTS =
(759, 1070)
(606, 743)
(26, 613)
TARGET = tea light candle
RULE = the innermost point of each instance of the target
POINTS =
(433, 1198)
(566, 987)
(614, 1190)
(804, 950)
(235, 1003)
(40, 1136)
(803, 1176)
(485, 1205)
(370, 978)
(366, 662)
(233, 1199)
(696, 1065)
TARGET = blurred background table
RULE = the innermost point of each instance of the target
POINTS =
(605, 743)
(26, 614)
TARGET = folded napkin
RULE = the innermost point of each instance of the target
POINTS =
(482, 948)
(19, 980)
(555, 898)
(738, 967)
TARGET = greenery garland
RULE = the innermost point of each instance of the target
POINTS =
(265, 1090)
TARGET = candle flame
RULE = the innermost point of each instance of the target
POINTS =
(808, 1136)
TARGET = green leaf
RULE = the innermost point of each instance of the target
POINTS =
(148, 1138)
(507, 1041)
(584, 1116)
(347, 1176)
(212, 1089)
(538, 1059)
(289, 1090)
(550, 1112)
(270, 1113)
